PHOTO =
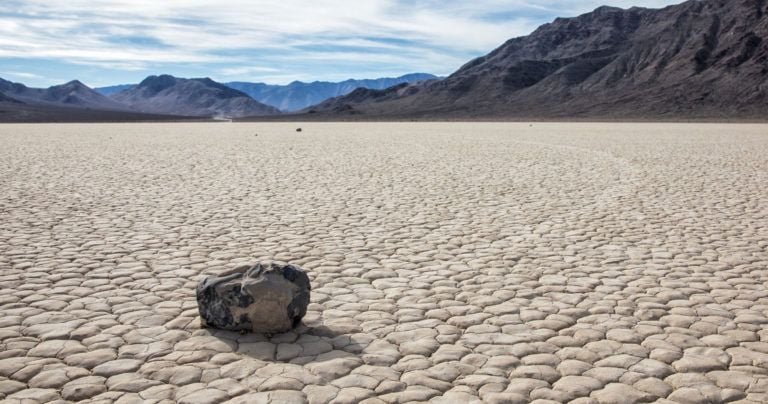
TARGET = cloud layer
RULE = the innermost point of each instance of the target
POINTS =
(266, 40)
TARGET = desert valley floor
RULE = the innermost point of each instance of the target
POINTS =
(450, 262)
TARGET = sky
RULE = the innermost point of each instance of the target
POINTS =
(106, 42)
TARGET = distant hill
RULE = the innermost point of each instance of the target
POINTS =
(204, 97)
(73, 94)
(113, 89)
(698, 59)
(299, 95)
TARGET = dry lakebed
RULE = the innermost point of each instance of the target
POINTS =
(449, 262)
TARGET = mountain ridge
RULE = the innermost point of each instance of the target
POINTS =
(298, 95)
(71, 94)
(109, 90)
(701, 59)
(167, 94)
(695, 59)
(74, 101)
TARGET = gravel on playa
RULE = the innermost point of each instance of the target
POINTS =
(450, 262)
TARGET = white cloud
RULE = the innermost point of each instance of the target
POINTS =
(24, 75)
(428, 35)
(246, 70)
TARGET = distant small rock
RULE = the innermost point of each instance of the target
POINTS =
(298, 129)
(264, 298)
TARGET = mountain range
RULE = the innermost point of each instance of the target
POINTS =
(299, 95)
(169, 97)
(157, 97)
(72, 94)
(698, 59)
(70, 102)
(701, 59)
(166, 94)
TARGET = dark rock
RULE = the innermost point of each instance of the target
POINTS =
(298, 129)
(263, 298)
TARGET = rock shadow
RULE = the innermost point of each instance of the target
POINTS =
(303, 345)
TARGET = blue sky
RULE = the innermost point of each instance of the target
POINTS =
(104, 42)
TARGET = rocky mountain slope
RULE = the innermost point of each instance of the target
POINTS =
(191, 97)
(6, 99)
(698, 59)
(299, 95)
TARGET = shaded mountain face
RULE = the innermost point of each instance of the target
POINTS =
(705, 58)
(299, 95)
(73, 94)
(78, 94)
(8, 88)
(6, 99)
(190, 97)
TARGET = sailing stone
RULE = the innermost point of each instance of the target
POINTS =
(264, 298)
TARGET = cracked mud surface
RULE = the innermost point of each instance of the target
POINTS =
(584, 263)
